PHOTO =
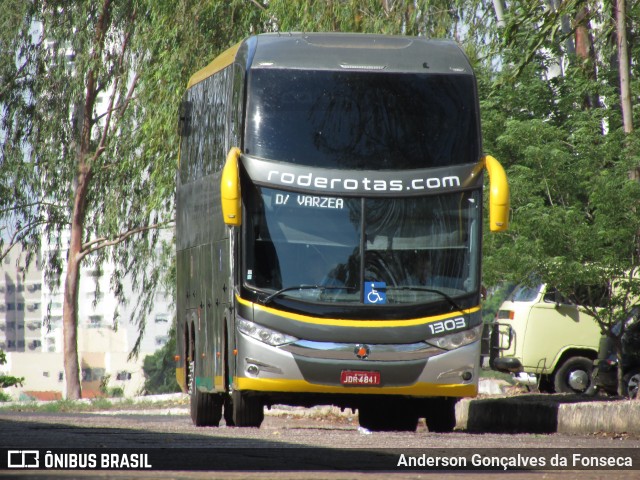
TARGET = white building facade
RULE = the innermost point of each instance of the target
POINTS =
(32, 338)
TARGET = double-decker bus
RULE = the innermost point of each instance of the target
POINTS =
(328, 229)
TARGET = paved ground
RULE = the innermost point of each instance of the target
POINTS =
(499, 408)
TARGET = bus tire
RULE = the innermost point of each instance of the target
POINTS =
(388, 416)
(631, 383)
(574, 375)
(228, 411)
(440, 414)
(206, 408)
(247, 409)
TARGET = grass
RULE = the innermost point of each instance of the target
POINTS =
(92, 405)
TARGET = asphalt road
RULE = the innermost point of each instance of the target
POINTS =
(294, 443)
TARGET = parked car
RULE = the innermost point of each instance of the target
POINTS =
(544, 339)
(605, 374)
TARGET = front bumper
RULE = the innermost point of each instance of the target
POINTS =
(416, 370)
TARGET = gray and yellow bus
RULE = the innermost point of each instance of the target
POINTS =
(328, 229)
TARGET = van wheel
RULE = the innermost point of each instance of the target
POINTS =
(574, 376)
(631, 383)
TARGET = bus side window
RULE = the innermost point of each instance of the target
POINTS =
(184, 119)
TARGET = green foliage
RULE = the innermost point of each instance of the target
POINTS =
(90, 91)
(111, 392)
(495, 297)
(434, 18)
(7, 380)
(159, 369)
(570, 166)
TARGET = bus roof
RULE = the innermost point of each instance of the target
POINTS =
(345, 51)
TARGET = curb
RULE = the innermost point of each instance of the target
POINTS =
(622, 416)
(546, 413)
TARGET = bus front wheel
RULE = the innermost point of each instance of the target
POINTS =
(440, 414)
(247, 410)
(388, 416)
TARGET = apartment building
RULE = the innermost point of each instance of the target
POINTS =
(32, 337)
(20, 304)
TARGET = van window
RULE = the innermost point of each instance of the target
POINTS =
(586, 295)
(552, 295)
(591, 295)
(525, 293)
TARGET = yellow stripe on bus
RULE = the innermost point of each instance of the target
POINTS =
(222, 61)
(180, 378)
(337, 322)
(302, 386)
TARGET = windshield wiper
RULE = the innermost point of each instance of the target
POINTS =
(269, 298)
(451, 301)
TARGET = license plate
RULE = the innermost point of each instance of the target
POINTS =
(351, 377)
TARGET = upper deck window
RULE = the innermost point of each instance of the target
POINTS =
(362, 120)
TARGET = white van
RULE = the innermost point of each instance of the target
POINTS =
(543, 338)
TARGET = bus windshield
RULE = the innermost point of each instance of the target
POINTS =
(361, 120)
(333, 249)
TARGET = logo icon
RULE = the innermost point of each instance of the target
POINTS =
(375, 293)
(362, 351)
(23, 459)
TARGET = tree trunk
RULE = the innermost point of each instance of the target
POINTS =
(565, 23)
(620, 372)
(586, 53)
(623, 65)
(71, 286)
(498, 7)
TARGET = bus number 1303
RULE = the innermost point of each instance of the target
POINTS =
(447, 325)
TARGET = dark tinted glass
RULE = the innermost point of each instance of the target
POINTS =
(295, 239)
(361, 120)
(419, 249)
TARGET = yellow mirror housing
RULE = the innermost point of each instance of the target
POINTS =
(230, 189)
(498, 195)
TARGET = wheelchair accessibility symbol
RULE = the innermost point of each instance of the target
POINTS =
(375, 293)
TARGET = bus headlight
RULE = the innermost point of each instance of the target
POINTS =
(458, 339)
(264, 334)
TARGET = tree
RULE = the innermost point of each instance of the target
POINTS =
(89, 142)
(568, 159)
(434, 18)
(80, 143)
(8, 380)
(159, 368)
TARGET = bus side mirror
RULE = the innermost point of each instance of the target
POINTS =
(230, 189)
(498, 195)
